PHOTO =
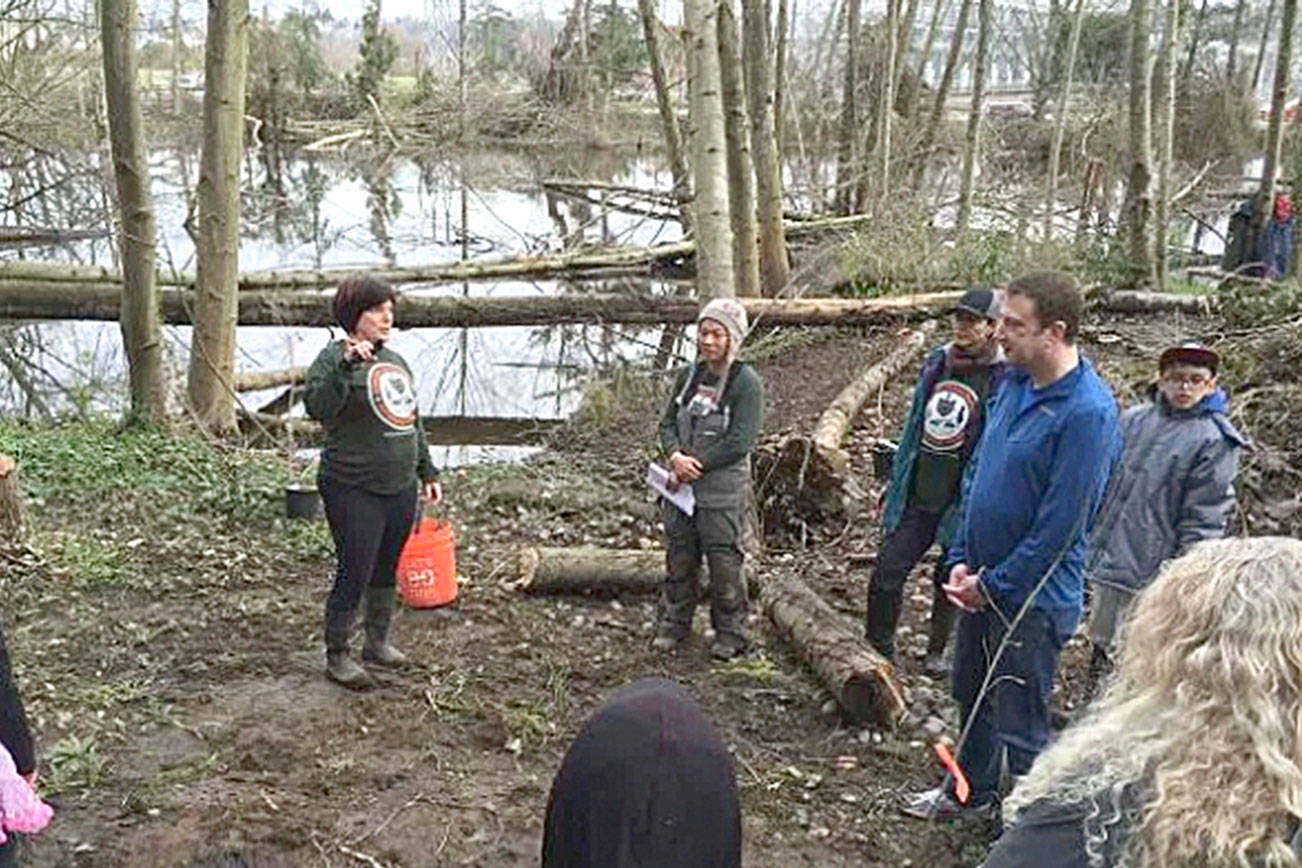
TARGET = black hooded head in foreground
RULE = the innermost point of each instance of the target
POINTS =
(646, 784)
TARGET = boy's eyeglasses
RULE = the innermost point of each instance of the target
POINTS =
(1192, 380)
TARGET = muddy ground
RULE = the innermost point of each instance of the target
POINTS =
(166, 629)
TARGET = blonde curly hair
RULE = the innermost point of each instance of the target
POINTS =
(1194, 753)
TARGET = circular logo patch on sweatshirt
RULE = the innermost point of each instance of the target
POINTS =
(949, 412)
(392, 395)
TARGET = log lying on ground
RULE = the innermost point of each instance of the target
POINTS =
(806, 480)
(254, 381)
(862, 681)
(583, 569)
(38, 300)
(840, 414)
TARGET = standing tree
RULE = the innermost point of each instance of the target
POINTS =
(714, 274)
(886, 98)
(774, 266)
(741, 166)
(378, 51)
(212, 347)
(942, 90)
(972, 147)
(1166, 137)
(1275, 132)
(924, 55)
(1261, 50)
(141, 333)
(668, 115)
(1060, 118)
(178, 45)
(1236, 32)
(846, 162)
(1139, 186)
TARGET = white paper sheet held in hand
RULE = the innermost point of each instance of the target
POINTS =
(658, 478)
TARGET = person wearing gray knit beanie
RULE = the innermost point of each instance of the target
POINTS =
(707, 433)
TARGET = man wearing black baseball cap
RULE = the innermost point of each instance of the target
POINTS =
(939, 435)
(1173, 487)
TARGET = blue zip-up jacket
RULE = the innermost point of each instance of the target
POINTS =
(1042, 466)
(906, 454)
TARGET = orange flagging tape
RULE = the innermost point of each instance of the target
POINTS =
(962, 790)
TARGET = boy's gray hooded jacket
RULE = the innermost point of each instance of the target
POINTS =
(1173, 487)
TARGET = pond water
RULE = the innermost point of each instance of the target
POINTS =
(356, 210)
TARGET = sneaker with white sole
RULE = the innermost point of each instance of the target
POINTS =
(938, 805)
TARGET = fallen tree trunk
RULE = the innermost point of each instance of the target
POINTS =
(862, 681)
(439, 430)
(254, 381)
(33, 299)
(584, 569)
(837, 418)
(576, 264)
(806, 480)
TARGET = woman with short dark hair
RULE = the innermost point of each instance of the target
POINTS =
(374, 463)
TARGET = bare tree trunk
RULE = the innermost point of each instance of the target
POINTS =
(1231, 65)
(1166, 139)
(714, 270)
(774, 266)
(741, 165)
(1060, 119)
(1139, 188)
(786, 12)
(933, 27)
(1275, 132)
(1195, 38)
(942, 90)
(141, 332)
(212, 348)
(1261, 51)
(668, 116)
(886, 100)
(178, 45)
(972, 149)
(847, 166)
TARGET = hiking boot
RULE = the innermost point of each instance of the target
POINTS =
(882, 617)
(379, 614)
(728, 647)
(343, 670)
(938, 805)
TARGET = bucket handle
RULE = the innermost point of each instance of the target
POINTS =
(419, 517)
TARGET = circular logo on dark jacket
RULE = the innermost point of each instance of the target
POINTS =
(950, 410)
(392, 395)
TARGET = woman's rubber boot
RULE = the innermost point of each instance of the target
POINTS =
(343, 670)
(937, 664)
(379, 614)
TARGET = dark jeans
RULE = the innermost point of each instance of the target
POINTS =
(1014, 714)
(369, 531)
(716, 534)
(903, 548)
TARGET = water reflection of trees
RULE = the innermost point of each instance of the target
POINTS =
(59, 191)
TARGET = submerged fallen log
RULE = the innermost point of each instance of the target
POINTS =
(35, 299)
(862, 681)
(583, 569)
(439, 430)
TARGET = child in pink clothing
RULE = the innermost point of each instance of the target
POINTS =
(21, 810)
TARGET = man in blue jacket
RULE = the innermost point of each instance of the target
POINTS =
(930, 469)
(1018, 559)
(1173, 487)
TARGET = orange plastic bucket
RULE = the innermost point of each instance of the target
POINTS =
(427, 567)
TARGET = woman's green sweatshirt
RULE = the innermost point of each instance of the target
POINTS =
(374, 440)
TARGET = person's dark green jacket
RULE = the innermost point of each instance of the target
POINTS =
(743, 396)
(374, 440)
